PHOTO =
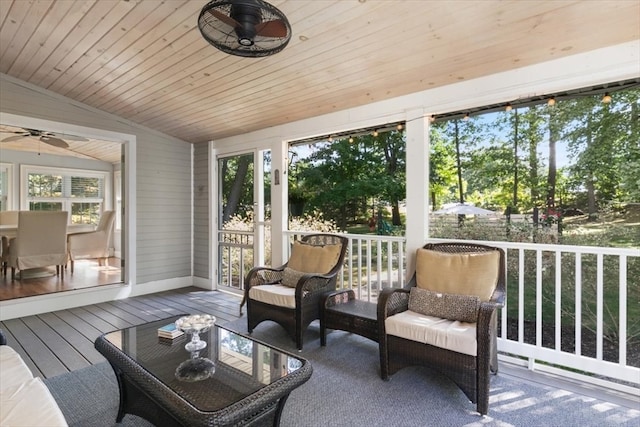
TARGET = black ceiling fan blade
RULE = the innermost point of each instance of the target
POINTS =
(52, 140)
(276, 28)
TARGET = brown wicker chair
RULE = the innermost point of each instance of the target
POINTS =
(309, 291)
(470, 373)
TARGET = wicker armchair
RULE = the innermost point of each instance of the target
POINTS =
(296, 304)
(469, 369)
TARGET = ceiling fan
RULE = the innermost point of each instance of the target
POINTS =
(50, 138)
(249, 28)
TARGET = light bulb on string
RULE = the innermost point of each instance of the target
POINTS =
(606, 99)
(551, 102)
(508, 107)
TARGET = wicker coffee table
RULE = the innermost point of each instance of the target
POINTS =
(161, 381)
(341, 310)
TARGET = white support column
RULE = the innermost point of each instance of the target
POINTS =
(258, 207)
(417, 227)
(279, 197)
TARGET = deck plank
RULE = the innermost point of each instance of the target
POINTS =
(86, 313)
(70, 356)
(120, 313)
(137, 309)
(80, 325)
(80, 342)
(45, 359)
(13, 342)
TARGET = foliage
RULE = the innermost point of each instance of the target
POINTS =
(343, 178)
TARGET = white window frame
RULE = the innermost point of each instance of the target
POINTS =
(67, 202)
(8, 198)
(117, 200)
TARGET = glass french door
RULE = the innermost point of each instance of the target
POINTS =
(242, 213)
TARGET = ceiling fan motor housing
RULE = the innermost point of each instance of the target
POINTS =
(248, 17)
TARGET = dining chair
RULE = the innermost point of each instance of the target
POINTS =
(92, 244)
(41, 241)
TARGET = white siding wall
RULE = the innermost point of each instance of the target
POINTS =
(161, 169)
(201, 184)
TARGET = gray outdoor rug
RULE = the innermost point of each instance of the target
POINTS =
(346, 390)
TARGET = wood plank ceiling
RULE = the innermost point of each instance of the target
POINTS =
(145, 60)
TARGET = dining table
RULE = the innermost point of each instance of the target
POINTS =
(11, 230)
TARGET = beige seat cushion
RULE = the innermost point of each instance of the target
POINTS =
(312, 258)
(462, 273)
(279, 295)
(449, 334)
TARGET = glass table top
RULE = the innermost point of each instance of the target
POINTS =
(230, 368)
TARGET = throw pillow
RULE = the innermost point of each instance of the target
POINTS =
(313, 258)
(446, 306)
(467, 273)
(291, 277)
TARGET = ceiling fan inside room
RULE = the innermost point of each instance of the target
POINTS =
(51, 138)
(249, 28)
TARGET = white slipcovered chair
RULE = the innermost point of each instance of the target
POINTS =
(7, 218)
(92, 244)
(41, 241)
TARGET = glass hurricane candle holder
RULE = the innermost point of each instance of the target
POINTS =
(195, 325)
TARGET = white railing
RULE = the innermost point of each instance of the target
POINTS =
(372, 263)
(235, 257)
(564, 303)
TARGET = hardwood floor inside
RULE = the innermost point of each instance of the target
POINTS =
(87, 273)
(62, 341)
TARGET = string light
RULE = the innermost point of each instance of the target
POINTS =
(466, 117)
(375, 133)
(432, 118)
(399, 126)
(508, 107)
(350, 139)
(606, 99)
(551, 102)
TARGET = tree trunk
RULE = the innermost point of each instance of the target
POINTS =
(461, 195)
(551, 177)
(515, 160)
(235, 194)
(395, 214)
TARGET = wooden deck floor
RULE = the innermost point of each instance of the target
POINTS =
(62, 341)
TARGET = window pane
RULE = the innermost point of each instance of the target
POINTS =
(45, 206)
(86, 187)
(44, 185)
(85, 213)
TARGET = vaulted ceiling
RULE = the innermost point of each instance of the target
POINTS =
(145, 60)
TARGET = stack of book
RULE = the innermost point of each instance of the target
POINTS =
(169, 332)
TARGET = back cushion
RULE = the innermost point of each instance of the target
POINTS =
(313, 259)
(291, 277)
(469, 273)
